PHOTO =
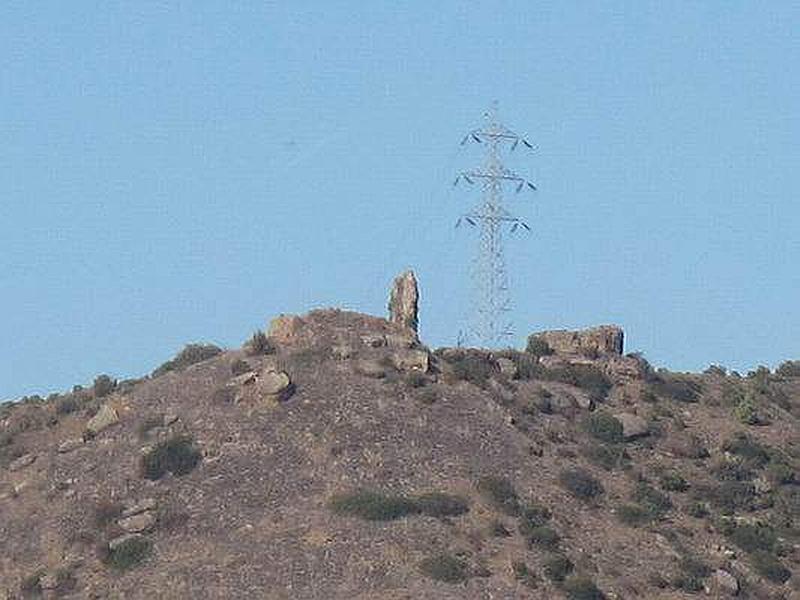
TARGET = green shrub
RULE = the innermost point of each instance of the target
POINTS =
(437, 504)
(524, 575)
(427, 396)
(607, 456)
(745, 410)
(653, 501)
(540, 401)
(528, 366)
(129, 554)
(415, 379)
(603, 426)
(580, 587)
(103, 385)
(31, 585)
(176, 455)
(537, 346)
(531, 517)
(728, 496)
(445, 567)
(149, 423)
(474, 367)
(587, 377)
(190, 355)
(751, 452)
(716, 371)
(557, 567)
(752, 537)
(373, 506)
(259, 345)
(239, 367)
(581, 484)
(676, 387)
(501, 493)
(633, 515)
(698, 510)
(779, 472)
(106, 512)
(769, 567)
(67, 404)
(692, 572)
(673, 482)
(499, 529)
(731, 470)
(224, 395)
(544, 537)
(790, 368)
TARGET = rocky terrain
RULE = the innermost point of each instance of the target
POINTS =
(336, 456)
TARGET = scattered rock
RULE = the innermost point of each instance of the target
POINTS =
(633, 426)
(21, 462)
(342, 351)
(411, 360)
(722, 584)
(684, 445)
(762, 485)
(142, 506)
(123, 539)
(400, 340)
(69, 445)
(105, 417)
(562, 403)
(507, 367)
(243, 379)
(584, 401)
(597, 341)
(48, 581)
(138, 523)
(373, 340)
(170, 418)
(370, 367)
(275, 385)
(501, 391)
(404, 301)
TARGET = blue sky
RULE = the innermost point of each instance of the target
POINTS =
(182, 171)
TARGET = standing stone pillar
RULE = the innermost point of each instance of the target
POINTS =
(404, 300)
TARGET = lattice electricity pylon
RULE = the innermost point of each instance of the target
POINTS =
(490, 326)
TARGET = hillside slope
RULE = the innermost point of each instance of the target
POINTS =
(339, 458)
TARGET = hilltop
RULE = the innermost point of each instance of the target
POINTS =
(334, 455)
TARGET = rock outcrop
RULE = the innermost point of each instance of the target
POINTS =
(404, 301)
(606, 340)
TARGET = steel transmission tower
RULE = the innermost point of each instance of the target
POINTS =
(490, 325)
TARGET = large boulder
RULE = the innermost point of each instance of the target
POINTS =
(105, 417)
(722, 584)
(633, 426)
(144, 505)
(275, 385)
(21, 462)
(404, 301)
(370, 367)
(605, 340)
(138, 523)
(411, 360)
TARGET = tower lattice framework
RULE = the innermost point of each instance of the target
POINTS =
(490, 325)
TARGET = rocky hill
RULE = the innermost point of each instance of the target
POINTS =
(336, 456)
